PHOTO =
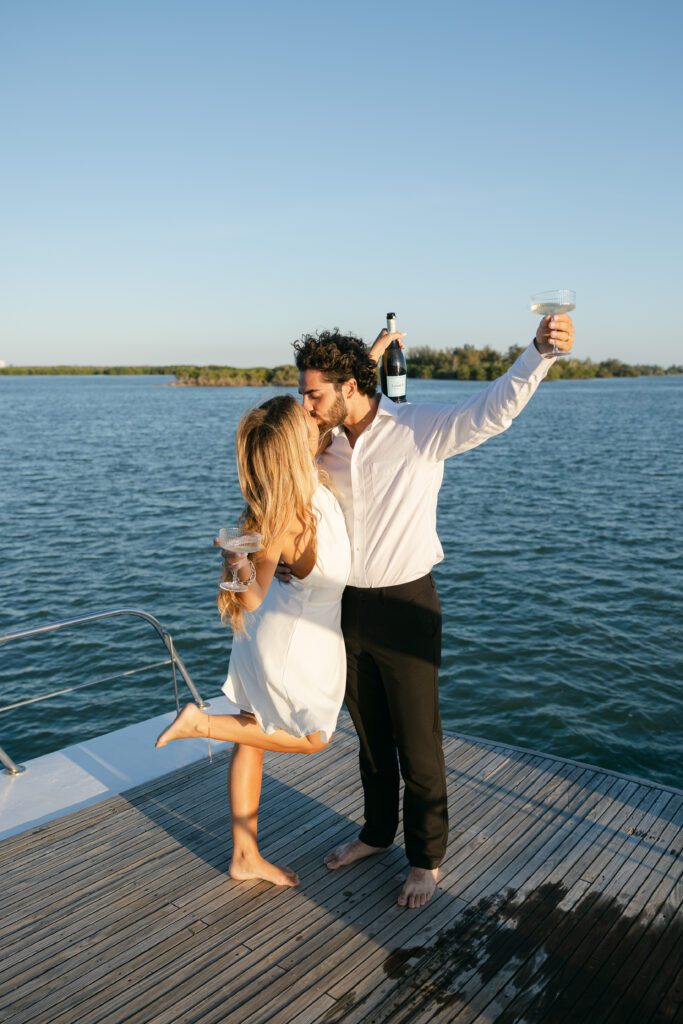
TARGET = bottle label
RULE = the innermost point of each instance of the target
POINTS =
(396, 386)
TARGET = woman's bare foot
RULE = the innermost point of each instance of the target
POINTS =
(418, 888)
(253, 865)
(347, 853)
(183, 726)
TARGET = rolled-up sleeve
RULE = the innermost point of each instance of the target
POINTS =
(442, 431)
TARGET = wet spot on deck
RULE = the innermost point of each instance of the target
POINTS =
(537, 960)
(395, 963)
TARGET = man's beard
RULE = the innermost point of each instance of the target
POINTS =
(335, 417)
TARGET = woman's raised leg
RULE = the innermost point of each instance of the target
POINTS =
(192, 723)
(244, 787)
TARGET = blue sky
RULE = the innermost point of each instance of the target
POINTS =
(202, 182)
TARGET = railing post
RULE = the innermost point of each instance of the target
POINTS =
(176, 661)
(10, 767)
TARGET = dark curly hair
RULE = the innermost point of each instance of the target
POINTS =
(339, 357)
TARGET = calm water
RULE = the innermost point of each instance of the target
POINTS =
(561, 586)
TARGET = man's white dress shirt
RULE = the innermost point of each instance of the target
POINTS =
(388, 483)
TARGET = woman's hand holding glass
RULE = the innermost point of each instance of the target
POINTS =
(237, 544)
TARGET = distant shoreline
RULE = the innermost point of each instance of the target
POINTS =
(462, 363)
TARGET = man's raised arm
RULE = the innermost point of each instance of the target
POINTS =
(442, 431)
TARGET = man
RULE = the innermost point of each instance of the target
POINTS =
(386, 464)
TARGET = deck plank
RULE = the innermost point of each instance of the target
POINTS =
(570, 922)
(562, 887)
(535, 874)
(139, 843)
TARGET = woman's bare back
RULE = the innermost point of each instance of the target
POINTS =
(298, 550)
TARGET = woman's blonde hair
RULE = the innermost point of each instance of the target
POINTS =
(278, 478)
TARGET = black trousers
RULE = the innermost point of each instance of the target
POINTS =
(393, 650)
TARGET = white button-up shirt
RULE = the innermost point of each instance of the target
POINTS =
(388, 483)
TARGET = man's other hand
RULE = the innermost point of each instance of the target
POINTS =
(382, 342)
(283, 573)
(555, 332)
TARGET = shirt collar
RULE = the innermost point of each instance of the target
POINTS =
(387, 407)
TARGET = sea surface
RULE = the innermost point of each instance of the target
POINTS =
(562, 585)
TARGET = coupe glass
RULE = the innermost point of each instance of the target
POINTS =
(239, 542)
(562, 300)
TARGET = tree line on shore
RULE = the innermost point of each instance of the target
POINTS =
(277, 376)
(464, 362)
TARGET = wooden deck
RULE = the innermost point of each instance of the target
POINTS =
(561, 901)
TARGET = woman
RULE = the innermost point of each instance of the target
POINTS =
(288, 665)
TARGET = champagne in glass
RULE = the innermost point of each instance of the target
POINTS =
(562, 300)
(238, 542)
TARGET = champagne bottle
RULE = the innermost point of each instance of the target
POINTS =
(392, 372)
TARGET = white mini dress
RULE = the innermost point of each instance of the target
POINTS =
(289, 668)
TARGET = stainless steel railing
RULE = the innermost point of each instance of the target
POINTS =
(174, 660)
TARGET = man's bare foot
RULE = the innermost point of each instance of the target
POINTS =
(183, 726)
(350, 852)
(419, 887)
(253, 865)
